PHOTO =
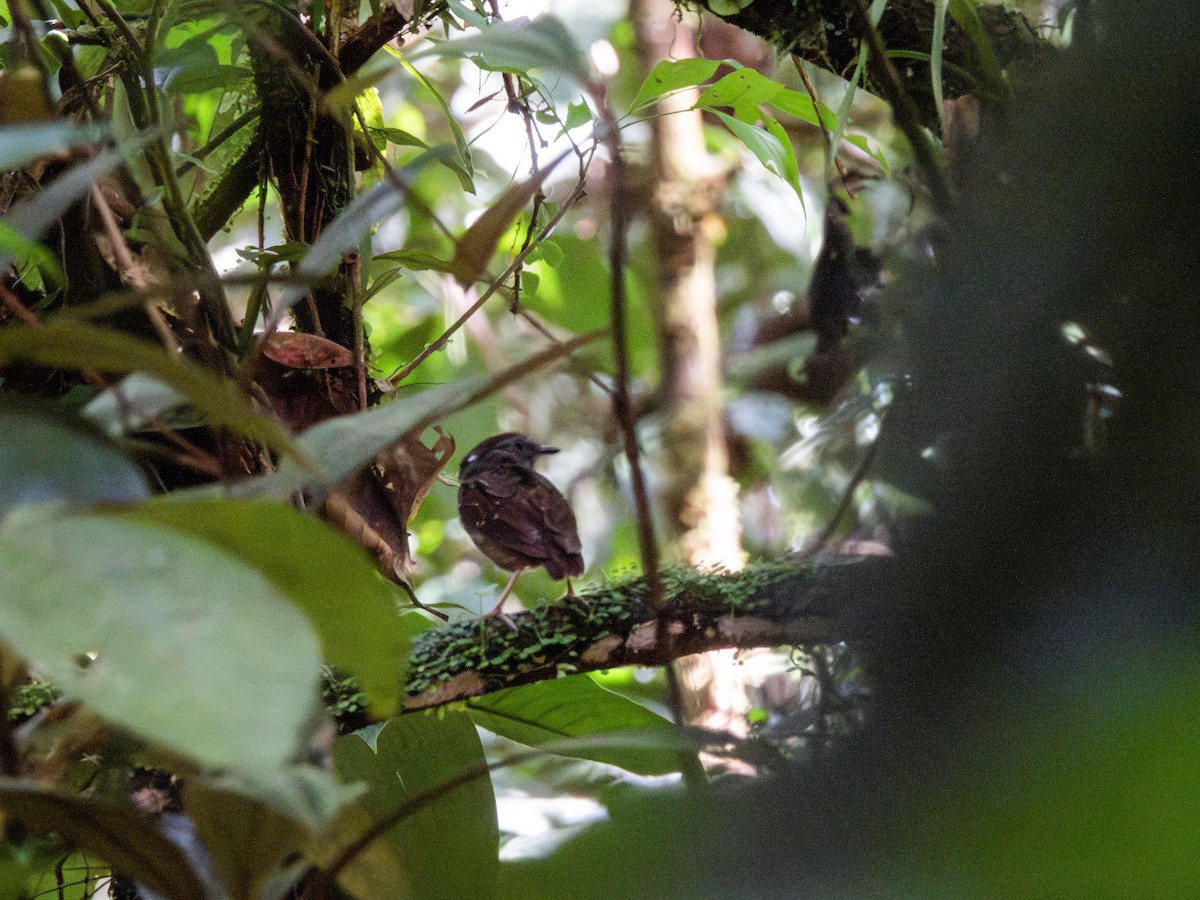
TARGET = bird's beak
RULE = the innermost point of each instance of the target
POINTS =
(547, 450)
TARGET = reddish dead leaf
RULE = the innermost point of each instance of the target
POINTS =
(305, 351)
(375, 506)
(476, 246)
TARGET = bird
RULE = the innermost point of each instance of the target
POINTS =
(515, 515)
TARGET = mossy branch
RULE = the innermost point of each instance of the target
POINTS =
(765, 605)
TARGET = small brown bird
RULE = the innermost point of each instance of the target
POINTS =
(514, 515)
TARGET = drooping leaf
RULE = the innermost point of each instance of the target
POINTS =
(81, 346)
(519, 46)
(576, 707)
(354, 616)
(336, 448)
(967, 17)
(163, 635)
(449, 847)
(459, 163)
(120, 834)
(674, 74)
(47, 458)
(936, 49)
(776, 154)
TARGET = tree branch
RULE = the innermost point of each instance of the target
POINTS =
(614, 625)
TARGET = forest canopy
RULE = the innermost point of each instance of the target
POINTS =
(853, 344)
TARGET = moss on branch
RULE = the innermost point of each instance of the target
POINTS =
(613, 625)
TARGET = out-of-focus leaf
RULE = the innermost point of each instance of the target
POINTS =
(728, 7)
(31, 217)
(449, 847)
(131, 403)
(163, 635)
(674, 74)
(85, 347)
(21, 143)
(337, 447)
(343, 444)
(519, 45)
(576, 707)
(474, 249)
(249, 829)
(121, 835)
(47, 459)
(354, 616)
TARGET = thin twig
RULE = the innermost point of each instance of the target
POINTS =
(834, 160)
(445, 336)
(831, 526)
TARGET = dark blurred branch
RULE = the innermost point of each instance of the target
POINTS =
(826, 33)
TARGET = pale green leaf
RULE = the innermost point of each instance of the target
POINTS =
(777, 156)
(338, 447)
(21, 143)
(355, 616)
(188, 647)
(46, 458)
(82, 346)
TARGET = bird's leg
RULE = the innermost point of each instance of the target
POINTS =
(504, 594)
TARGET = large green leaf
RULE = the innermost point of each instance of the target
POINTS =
(449, 846)
(673, 75)
(48, 459)
(82, 346)
(354, 614)
(163, 635)
(121, 835)
(550, 712)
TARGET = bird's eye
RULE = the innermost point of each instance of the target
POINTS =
(471, 457)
